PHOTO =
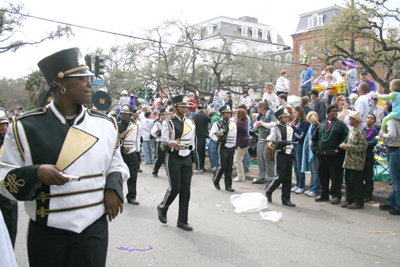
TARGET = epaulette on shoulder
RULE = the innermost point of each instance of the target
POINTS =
(38, 111)
(97, 113)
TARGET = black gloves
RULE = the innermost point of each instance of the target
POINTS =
(221, 140)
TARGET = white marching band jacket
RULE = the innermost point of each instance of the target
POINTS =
(168, 133)
(87, 149)
(131, 137)
(230, 137)
(276, 135)
(157, 129)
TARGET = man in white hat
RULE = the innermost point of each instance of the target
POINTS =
(125, 99)
(356, 148)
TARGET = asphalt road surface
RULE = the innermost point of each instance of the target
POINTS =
(311, 234)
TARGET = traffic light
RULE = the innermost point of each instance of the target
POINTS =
(149, 93)
(99, 66)
(142, 93)
(88, 60)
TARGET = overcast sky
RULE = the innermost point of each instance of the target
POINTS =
(131, 17)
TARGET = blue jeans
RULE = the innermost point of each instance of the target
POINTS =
(216, 106)
(314, 182)
(300, 176)
(246, 162)
(212, 153)
(148, 151)
(191, 113)
(394, 170)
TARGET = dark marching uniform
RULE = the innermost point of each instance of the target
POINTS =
(68, 225)
(156, 133)
(280, 134)
(224, 133)
(178, 163)
(8, 208)
(129, 136)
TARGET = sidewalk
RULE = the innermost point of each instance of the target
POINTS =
(381, 189)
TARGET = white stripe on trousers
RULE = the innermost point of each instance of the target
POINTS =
(197, 154)
(162, 204)
(276, 177)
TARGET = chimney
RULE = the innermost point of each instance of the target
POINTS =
(249, 19)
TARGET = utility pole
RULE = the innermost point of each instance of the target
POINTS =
(352, 35)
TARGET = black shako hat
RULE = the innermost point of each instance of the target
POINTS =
(180, 100)
(282, 112)
(224, 109)
(101, 100)
(127, 109)
(63, 64)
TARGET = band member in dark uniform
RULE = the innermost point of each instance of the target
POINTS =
(178, 134)
(63, 161)
(279, 139)
(156, 133)
(129, 136)
(224, 133)
(9, 208)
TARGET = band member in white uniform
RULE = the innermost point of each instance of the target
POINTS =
(62, 161)
(129, 136)
(178, 134)
(224, 133)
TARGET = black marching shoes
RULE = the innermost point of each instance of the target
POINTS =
(133, 201)
(289, 204)
(184, 226)
(161, 215)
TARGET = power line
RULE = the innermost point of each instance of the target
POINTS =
(154, 41)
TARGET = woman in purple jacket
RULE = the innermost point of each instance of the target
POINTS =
(242, 143)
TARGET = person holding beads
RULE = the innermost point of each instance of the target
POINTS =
(355, 146)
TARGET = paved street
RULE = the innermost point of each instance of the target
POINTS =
(312, 234)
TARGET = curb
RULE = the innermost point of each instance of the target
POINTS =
(378, 198)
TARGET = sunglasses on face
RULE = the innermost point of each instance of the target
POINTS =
(364, 74)
(82, 78)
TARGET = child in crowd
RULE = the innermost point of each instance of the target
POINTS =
(394, 98)
(309, 157)
(355, 146)
(300, 127)
(270, 97)
(368, 173)
(192, 105)
(278, 140)
(326, 92)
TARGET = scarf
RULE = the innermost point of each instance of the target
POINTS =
(369, 132)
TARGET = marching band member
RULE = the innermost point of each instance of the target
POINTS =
(177, 137)
(279, 139)
(62, 161)
(224, 133)
(156, 132)
(8, 208)
(129, 135)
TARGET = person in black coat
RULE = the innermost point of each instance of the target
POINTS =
(325, 145)
(201, 120)
(229, 101)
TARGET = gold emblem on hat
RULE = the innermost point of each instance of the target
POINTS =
(102, 100)
(185, 99)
